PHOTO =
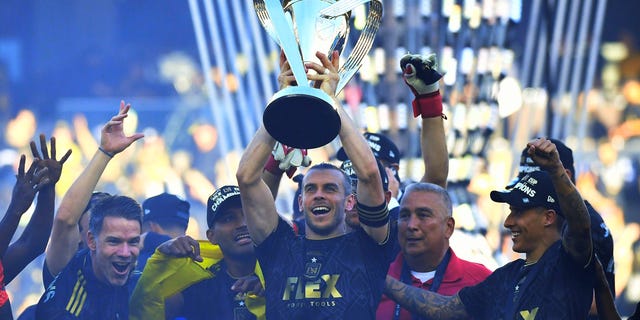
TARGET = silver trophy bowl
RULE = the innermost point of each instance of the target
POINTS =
(302, 116)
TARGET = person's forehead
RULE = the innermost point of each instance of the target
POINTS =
(421, 199)
(521, 211)
(323, 176)
(119, 227)
(232, 210)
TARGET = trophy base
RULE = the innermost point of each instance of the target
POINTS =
(302, 117)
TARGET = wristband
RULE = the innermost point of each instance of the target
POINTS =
(109, 154)
(273, 166)
(428, 105)
(373, 216)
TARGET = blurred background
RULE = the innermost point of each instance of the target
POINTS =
(199, 73)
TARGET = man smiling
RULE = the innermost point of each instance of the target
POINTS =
(93, 284)
(328, 273)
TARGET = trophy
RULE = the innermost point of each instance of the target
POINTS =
(302, 116)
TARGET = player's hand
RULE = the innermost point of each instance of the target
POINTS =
(183, 246)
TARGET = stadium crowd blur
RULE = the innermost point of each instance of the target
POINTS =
(179, 153)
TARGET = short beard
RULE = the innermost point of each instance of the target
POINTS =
(325, 231)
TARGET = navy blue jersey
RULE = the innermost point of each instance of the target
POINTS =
(338, 278)
(553, 288)
(76, 293)
(602, 245)
(212, 299)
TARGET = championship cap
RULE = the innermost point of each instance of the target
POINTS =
(383, 148)
(347, 167)
(534, 189)
(528, 165)
(224, 198)
(166, 207)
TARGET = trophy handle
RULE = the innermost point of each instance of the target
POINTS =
(365, 41)
(273, 18)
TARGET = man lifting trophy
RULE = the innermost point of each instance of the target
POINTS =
(302, 116)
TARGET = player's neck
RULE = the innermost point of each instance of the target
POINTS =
(237, 268)
(544, 244)
(339, 230)
(425, 262)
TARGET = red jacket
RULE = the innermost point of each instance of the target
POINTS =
(460, 273)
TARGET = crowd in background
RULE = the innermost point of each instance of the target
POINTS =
(608, 177)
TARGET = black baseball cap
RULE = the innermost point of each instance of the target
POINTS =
(534, 189)
(347, 167)
(383, 148)
(527, 164)
(224, 198)
(166, 207)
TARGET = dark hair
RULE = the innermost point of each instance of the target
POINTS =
(96, 196)
(433, 188)
(297, 213)
(171, 224)
(346, 180)
(114, 206)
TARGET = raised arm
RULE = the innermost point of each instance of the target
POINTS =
(259, 173)
(427, 304)
(258, 203)
(65, 234)
(24, 191)
(577, 238)
(33, 240)
(369, 189)
(421, 75)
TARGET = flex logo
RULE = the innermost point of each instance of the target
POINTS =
(303, 288)
(529, 314)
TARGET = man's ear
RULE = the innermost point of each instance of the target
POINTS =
(451, 226)
(550, 217)
(350, 202)
(211, 235)
(91, 241)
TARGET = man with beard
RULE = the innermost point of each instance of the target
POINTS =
(328, 273)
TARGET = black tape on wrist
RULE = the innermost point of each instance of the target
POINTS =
(373, 216)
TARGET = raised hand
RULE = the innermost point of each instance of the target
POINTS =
(183, 246)
(49, 161)
(113, 139)
(544, 153)
(421, 75)
(327, 77)
(27, 185)
(286, 77)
